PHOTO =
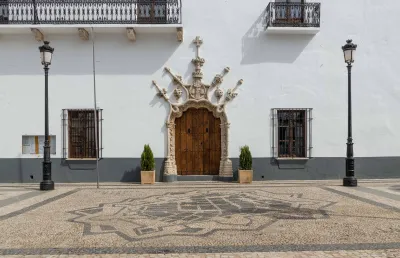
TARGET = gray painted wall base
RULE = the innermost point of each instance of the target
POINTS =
(29, 170)
(226, 179)
(169, 178)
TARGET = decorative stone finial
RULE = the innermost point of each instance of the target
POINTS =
(198, 41)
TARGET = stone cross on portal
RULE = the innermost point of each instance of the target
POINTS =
(198, 62)
(198, 43)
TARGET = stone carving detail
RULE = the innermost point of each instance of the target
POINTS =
(83, 34)
(231, 94)
(197, 91)
(161, 92)
(177, 93)
(179, 34)
(218, 79)
(197, 96)
(224, 144)
(219, 93)
(170, 164)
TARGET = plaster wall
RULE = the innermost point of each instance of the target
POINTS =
(279, 71)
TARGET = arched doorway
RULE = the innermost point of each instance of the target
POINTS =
(198, 143)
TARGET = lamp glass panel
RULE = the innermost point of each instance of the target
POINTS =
(47, 57)
(353, 53)
(348, 55)
(42, 57)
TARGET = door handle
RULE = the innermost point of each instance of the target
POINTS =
(189, 130)
(206, 130)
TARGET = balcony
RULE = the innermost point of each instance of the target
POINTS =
(293, 18)
(56, 14)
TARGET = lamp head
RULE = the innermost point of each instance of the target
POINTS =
(46, 53)
(349, 51)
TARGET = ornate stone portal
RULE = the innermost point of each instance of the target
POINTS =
(198, 96)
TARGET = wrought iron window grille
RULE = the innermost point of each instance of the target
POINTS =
(291, 133)
(78, 134)
(293, 15)
(90, 12)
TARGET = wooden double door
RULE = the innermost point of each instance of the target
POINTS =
(198, 143)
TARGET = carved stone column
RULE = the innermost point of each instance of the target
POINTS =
(170, 173)
(225, 167)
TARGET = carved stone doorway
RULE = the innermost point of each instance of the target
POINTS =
(197, 99)
(218, 113)
(198, 143)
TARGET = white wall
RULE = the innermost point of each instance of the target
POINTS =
(285, 71)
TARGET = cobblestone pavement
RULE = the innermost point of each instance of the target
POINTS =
(317, 254)
(208, 219)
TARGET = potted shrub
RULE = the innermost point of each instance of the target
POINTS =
(147, 163)
(245, 165)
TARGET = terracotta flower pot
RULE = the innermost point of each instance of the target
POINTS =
(147, 177)
(245, 176)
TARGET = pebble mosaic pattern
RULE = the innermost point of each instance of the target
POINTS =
(220, 221)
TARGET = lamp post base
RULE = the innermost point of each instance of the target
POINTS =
(46, 185)
(350, 181)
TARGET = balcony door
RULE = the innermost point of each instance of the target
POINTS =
(289, 11)
(152, 11)
(4, 12)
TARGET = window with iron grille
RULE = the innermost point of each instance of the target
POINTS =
(291, 133)
(79, 133)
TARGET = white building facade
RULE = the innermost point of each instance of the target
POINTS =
(196, 80)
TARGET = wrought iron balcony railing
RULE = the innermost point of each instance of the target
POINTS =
(90, 12)
(293, 14)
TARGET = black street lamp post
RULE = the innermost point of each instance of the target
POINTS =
(46, 53)
(350, 180)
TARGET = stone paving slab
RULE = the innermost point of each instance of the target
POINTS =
(368, 194)
(13, 197)
(7, 194)
(395, 189)
(37, 198)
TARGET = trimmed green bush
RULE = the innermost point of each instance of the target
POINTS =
(147, 159)
(245, 158)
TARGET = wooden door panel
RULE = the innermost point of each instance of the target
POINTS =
(187, 149)
(198, 143)
(212, 143)
(193, 142)
(206, 143)
(189, 142)
(216, 153)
